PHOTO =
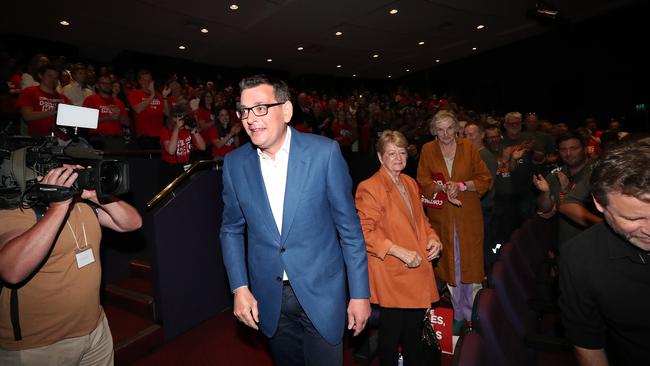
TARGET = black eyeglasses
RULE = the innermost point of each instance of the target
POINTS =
(258, 110)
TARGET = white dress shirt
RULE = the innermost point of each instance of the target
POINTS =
(274, 173)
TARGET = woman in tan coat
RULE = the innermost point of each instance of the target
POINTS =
(399, 242)
(451, 166)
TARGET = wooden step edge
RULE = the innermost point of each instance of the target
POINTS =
(140, 269)
(138, 296)
(138, 336)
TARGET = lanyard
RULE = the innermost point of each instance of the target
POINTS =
(83, 228)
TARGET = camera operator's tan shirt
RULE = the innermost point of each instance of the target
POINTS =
(60, 301)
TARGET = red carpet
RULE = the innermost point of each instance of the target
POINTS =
(223, 341)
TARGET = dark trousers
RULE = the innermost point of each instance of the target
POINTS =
(401, 326)
(297, 342)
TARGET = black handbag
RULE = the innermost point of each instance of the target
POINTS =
(432, 351)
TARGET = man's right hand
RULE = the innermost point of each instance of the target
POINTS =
(540, 183)
(245, 307)
(63, 176)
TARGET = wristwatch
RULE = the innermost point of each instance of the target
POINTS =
(462, 186)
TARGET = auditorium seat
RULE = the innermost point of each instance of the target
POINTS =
(469, 350)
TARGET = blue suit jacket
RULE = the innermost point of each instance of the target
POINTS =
(321, 236)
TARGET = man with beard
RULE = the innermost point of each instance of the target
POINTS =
(604, 271)
(567, 189)
(112, 116)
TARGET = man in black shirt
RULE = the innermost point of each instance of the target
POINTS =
(605, 271)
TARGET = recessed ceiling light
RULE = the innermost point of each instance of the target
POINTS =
(474, 48)
(269, 60)
(181, 47)
(375, 56)
(437, 61)
(204, 30)
(234, 6)
(301, 48)
(64, 23)
(393, 11)
(480, 26)
(354, 75)
(338, 34)
(408, 70)
(338, 66)
(420, 43)
(390, 76)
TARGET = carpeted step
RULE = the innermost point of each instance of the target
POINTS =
(127, 296)
(133, 336)
(140, 268)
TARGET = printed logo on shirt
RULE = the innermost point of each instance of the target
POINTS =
(184, 146)
(48, 104)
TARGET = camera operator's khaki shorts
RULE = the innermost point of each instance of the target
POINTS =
(93, 349)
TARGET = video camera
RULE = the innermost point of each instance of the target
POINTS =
(24, 158)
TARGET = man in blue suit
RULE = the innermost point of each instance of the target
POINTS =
(291, 194)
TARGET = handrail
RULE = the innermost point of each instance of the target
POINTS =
(176, 182)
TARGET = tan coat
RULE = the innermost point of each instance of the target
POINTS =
(468, 218)
(385, 220)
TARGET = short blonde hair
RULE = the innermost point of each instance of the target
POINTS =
(510, 115)
(388, 137)
(442, 116)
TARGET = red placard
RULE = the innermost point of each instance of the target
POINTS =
(438, 199)
(442, 321)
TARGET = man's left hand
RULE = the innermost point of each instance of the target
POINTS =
(358, 314)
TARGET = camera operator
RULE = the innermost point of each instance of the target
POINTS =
(178, 138)
(51, 272)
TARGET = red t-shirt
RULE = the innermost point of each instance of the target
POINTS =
(203, 114)
(213, 134)
(183, 146)
(343, 133)
(150, 121)
(109, 127)
(41, 101)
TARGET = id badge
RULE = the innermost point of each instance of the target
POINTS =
(85, 257)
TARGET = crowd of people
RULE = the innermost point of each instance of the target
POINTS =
(451, 186)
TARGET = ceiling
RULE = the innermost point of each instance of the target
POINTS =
(274, 29)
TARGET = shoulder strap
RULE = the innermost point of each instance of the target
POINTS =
(39, 211)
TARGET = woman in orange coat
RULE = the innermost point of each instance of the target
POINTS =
(452, 166)
(399, 242)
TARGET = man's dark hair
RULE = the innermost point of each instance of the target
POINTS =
(141, 73)
(571, 135)
(48, 66)
(78, 66)
(622, 169)
(280, 88)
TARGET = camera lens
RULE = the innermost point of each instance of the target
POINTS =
(109, 178)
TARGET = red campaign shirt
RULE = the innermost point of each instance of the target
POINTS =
(150, 121)
(111, 127)
(183, 146)
(213, 134)
(344, 131)
(203, 114)
(41, 101)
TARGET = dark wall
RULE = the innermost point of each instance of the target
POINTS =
(598, 67)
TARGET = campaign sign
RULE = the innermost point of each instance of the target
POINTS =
(438, 199)
(442, 321)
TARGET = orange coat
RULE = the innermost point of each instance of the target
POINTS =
(385, 221)
(468, 218)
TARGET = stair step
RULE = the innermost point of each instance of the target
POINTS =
(130, 300)
(136, 284)
(133, 336)
(140, 268)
